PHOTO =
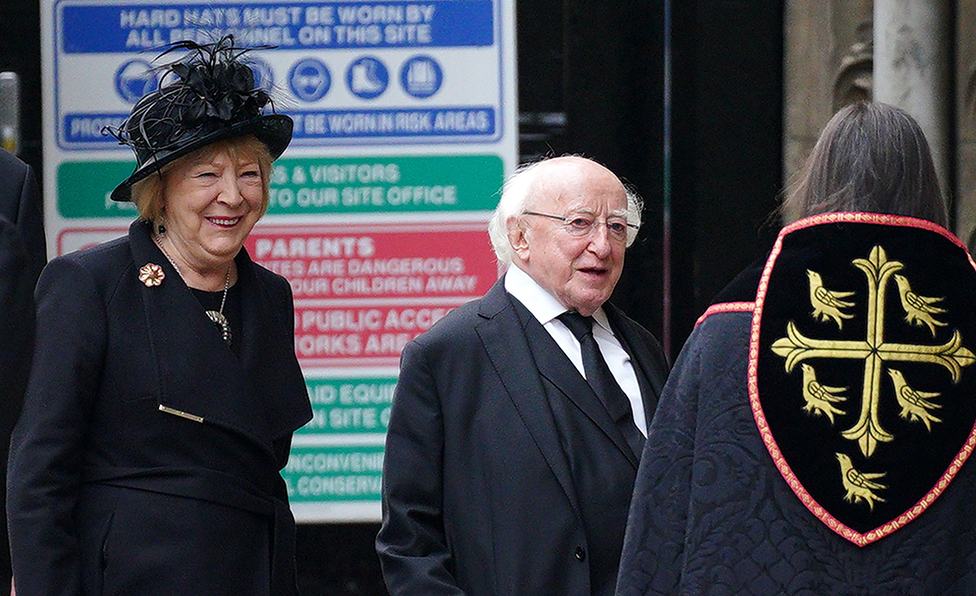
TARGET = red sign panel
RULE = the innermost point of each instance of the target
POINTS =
(363, 291)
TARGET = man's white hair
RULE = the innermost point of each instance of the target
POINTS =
(522, 187)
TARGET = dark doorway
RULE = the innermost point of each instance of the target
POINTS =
(726, 143)
(20, 53)
(591, 81)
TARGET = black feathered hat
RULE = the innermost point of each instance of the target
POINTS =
(207, 96)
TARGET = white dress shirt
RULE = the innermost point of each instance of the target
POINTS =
(546, 308)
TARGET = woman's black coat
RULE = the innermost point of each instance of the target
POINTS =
(147, 457)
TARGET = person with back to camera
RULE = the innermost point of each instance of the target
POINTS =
(513, 442)
(165, 387)
(814, 434)
(23, 254)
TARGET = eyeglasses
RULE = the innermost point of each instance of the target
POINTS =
(582, 225)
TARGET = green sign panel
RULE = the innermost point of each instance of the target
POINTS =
(349, 405)
(386, 185)
(334, 473)
(84, 188)
(319, 185)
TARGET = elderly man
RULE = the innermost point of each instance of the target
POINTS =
(513, 444)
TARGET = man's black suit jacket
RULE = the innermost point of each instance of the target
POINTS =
(21, 205)
(503, 473)
(22, 256)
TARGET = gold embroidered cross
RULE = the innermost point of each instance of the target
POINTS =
(952, 355)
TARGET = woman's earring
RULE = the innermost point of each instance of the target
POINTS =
(160, 229)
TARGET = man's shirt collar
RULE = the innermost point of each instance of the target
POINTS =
(543, 306)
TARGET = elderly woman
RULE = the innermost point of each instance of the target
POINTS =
(813, 435)
(165, 387)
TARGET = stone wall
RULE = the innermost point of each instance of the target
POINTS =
(965, 128)
(828, 63)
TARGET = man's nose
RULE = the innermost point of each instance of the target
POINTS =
(600, 240)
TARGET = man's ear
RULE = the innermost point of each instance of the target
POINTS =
(516, 237)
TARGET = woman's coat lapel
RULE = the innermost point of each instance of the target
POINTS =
(198, 373)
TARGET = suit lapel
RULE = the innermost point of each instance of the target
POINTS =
(504, 340)
(267, 352)
(514, 337)
(648, 377)
(555, 366)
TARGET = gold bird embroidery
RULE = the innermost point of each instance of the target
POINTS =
(820, 398)
(914, 404)
(860, 486)
(918, 309)
(827, 304)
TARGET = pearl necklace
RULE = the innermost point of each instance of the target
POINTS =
(216, 317)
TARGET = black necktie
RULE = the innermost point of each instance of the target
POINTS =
(600, 378)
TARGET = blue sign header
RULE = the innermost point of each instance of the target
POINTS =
(328, 124)
(337, 25)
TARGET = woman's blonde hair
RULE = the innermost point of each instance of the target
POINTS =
(147, 194)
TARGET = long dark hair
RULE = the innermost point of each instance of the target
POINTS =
(870, 157)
